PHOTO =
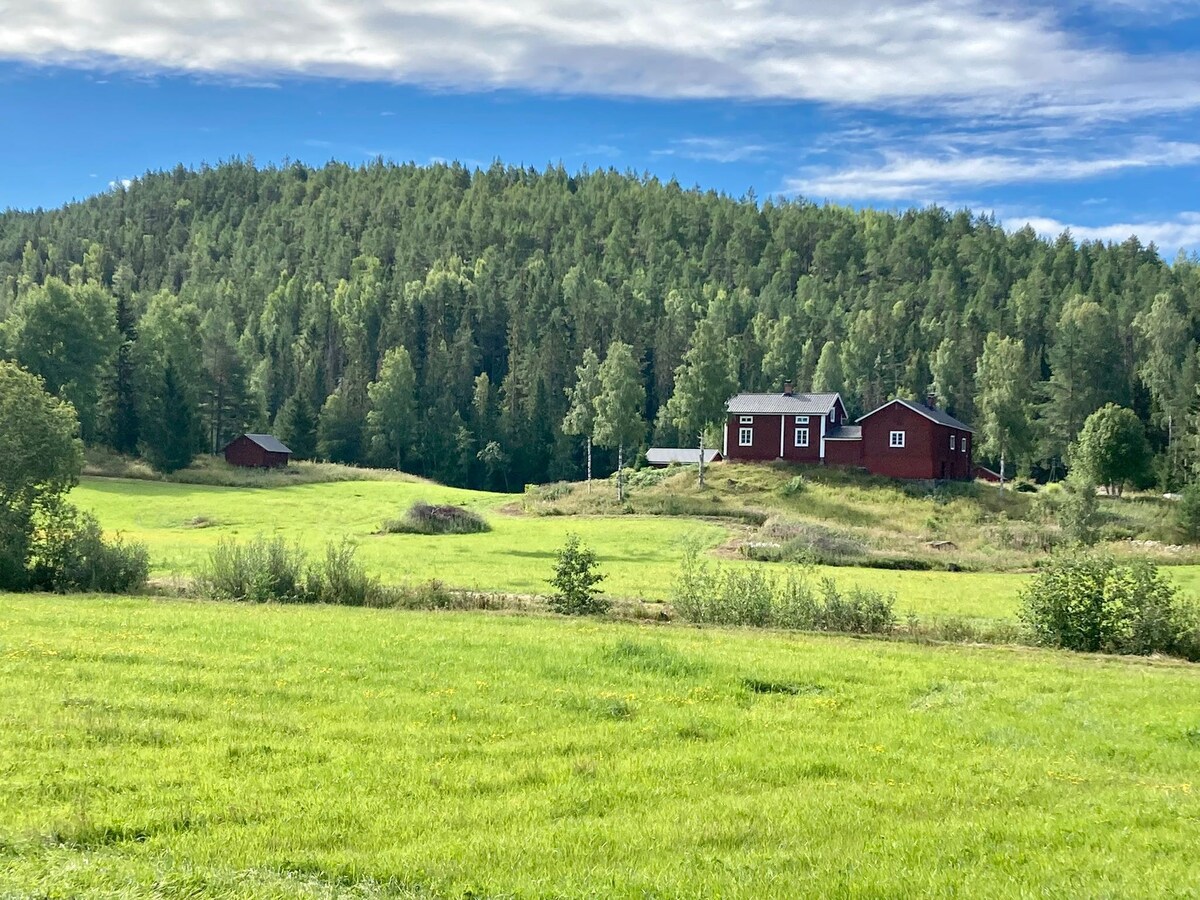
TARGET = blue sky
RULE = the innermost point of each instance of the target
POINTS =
(1083, 115)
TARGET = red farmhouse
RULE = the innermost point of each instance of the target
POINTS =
(261, 450)
(900, 439)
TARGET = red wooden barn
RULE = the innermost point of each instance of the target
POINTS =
(257, 450)
(901, 439)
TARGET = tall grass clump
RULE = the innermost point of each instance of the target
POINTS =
(724, 595)
(272, 571)
(1088, 601)
(425, 518)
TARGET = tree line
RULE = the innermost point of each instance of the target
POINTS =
(490, 327)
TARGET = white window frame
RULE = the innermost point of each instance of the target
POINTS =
(897, 439)
(801, 433)
(745, 437)
(801, 420)
(963, 444)
(953, 444)
(746, 420)
(833, 414)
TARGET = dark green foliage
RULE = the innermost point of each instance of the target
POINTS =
(1078, 510)
(1187, 512)
(271, 290)
(1090, 602)
(68, 553)
(169, 441)
(576, 574)
(423, 518)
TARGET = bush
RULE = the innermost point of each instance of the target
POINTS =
(422, 518)
(575, 579)
(1078, 511)
(1090, 602)
(68, 552)
(266, 571)
(721, 595)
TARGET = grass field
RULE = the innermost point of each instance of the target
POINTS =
(172, 748)
(639, 554)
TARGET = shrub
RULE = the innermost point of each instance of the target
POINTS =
(1078, 511)
(743, 596)
(1090, 602)
(68, 552)
(575, 578)
(264, 571)
(258, 571)
(423, 518)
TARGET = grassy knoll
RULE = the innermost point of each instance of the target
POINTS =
(852, 518)
(640, 554)
(167, 748)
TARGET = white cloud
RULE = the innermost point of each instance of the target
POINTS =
(855, 51)
(911, 177)
(1182, 231)
(714, 149)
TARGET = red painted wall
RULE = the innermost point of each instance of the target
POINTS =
(244, 452)
(926, 452)
(843, 453)
(766, 438)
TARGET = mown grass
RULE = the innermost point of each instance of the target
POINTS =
(640, 555)
(201, 749)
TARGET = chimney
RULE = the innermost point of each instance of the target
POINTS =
(787, 389)
(931, 400)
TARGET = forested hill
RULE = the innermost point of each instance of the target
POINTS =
(236, 297)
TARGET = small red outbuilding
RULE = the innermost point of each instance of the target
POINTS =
(257, 451)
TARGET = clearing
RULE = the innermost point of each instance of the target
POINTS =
(167, 747)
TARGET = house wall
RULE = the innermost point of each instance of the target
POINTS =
(766, 438)
(811, 453)
(244, 452)
(916, 459)
(843, 453)
(926, 452)
(955, 463)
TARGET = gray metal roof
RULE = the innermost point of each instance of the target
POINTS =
(664, 456)
(845, 433)
(783, 404)
(268, 442)
(934, 415)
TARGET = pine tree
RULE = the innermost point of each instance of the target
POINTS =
(169, 436)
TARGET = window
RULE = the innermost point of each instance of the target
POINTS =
(801, 437)
(747, 420)
(745, 437)
(952, 447)
(964, 444)
(833, 414)
(801, 420)
(896, 439)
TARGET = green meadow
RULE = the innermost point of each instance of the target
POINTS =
(639, 553)
(170, 748)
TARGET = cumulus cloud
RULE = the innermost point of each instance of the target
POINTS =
(1015, 60)
(900, 177)
(1182, 231)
